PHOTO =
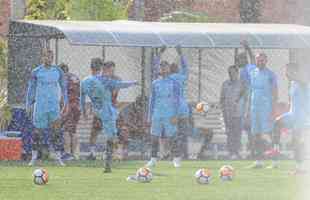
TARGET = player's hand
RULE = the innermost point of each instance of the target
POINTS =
(174, 120)
(179, 50)
(245, 43)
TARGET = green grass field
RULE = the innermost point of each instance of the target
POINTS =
(86, 180)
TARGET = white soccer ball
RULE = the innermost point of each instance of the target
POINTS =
(144, 175)
(40, 177)
(227, 173)
(203, 176)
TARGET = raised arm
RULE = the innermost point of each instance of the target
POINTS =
(32, 84)
(116, 84)
(247, 48)
(156, 62)
(184, 65)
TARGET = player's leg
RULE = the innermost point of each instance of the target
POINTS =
(175, 141)
(56, 135)
(156, 130)
(109, 128)
(229, 133)
(183, 132)
(95, 130)
(236, 137)
(299, 151)
(284, 121)
(40, 122)
(257, 142)
(74, 136)
(123, 141)
(37, 137)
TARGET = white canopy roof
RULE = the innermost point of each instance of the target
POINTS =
(156, 34)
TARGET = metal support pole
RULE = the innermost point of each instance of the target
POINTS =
(199, 73)
(56, 51)
(103, 53)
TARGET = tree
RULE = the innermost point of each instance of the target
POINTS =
(5, 111)
(250, 10)
(179, 16)
(102, 10)
(48, 9)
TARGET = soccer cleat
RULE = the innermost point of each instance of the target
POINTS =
(107, 170)
(177, 162)
(234, 157)
(67, 157)
(256, 165)
(151, 163)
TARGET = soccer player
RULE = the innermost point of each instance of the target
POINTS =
(263, 97)
(233, 90)
(180, 75)
(298, 117)
(99, 89)
(43, 93)
(163, 113)
(96, 123)
(71, 119)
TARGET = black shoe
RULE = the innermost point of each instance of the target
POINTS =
(107, 170)
(91, 157)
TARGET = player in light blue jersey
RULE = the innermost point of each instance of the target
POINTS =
(180, 76)
(163, 112)
(263, 98)
(99, 89)
(297, 118)
(43, 94)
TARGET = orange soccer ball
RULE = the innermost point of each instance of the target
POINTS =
(227, 173)
(202, 107)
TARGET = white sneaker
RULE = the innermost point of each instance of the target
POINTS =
(60, 162)
(274, 165)
(32, 162)
(151, 163)
(177, 162)
(34, 156)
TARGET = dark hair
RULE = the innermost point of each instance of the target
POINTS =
(108, 64)
(96, 63)
(64, 67)
(234, 67)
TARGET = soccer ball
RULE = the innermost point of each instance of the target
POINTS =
(40, 177)
(226, 173)
(202, 107)
(203, 176)
(144, 175)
